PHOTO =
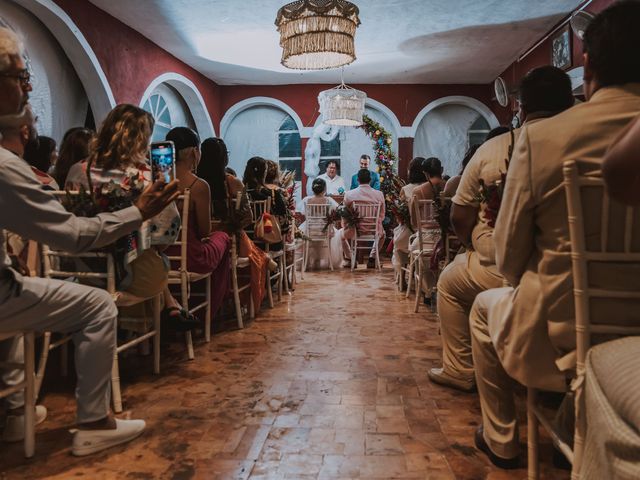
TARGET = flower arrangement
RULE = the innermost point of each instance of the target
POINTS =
(400, 211)
(350, 215)
(288, 185)
(490, 195)
(390, 184)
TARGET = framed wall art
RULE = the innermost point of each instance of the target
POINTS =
(561, 49)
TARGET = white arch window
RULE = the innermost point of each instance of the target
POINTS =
(478, 131)
(157, 106)
(290, 147)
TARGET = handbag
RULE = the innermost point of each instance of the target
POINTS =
(267, 229)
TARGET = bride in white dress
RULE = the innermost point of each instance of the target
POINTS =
(317, 252)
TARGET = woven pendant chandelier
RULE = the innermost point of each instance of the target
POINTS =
(342, 105)
(317, 34)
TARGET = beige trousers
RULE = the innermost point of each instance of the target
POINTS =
(459, 284)
(495, 387)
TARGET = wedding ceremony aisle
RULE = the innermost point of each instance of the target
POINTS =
(330, 384)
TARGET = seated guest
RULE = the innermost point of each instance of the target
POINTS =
(40, 304)
(365, 193)
(224, 189)
(207, 251)
(543, 92)
(319, 188)
(528, 332)
(41, 153)
(620, 166)
(255, 180)
(230, 171)
(402, 232)
(429, 190)
(335, 183)
(452, 184)
(119, 158)
(365, 161)
(74, 150)
(415, 178)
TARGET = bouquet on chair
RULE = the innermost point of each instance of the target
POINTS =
(490, 195)
(350, 215)
(400, 210)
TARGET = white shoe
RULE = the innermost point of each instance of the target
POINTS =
(86, 442)
(346, 263)
(14, 425)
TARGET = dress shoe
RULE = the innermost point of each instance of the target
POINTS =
(371, 263)
(14, 425)
(504, 463)
(439, 376)
(86, 442)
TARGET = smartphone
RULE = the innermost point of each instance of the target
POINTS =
(163, 161)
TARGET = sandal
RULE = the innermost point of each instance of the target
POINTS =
(183, 321)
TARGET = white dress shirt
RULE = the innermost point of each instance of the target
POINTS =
(333, 184)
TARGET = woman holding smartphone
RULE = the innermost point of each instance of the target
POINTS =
(117, 171)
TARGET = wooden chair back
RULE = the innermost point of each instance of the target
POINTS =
(369, 213)
(315, 220)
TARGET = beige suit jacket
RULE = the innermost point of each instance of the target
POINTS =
(533, 329)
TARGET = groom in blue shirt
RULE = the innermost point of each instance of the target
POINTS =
(365, 160)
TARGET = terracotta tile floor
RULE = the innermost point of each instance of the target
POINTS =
(331, 384)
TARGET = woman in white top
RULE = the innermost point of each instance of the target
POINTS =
(317, 254)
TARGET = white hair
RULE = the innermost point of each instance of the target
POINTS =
(10, 46)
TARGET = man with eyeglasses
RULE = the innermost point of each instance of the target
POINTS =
(38, 304)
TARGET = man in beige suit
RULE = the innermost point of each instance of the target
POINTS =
(543, 92)
(528, 332)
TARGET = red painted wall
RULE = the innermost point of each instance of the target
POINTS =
(541, 55)
(131, 61)
(405, 100)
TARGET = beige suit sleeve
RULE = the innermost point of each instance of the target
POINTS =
(34, 213)
(515, 227)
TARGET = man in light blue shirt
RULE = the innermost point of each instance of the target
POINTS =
(365, 160)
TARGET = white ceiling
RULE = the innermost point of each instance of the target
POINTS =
(399, 41)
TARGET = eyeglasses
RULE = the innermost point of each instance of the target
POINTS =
(24, 76)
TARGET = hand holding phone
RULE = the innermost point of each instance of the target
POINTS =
(163, 161)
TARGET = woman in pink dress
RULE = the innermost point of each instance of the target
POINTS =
(207, 251)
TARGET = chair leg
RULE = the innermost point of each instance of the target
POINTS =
(188, 337)
(252, 307)
(305, 256)
(377, 246)
(29, 395)
(533, 467)
(269, 290)
(580, 430)
(285, 278)
(330, 255)
(156, 338)
(115, 384)
(42, 364)
(283, 274)
(236, 300)
(354, 254)
(418, 280)
(410, 277)
(208, 314)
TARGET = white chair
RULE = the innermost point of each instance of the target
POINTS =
(591, 245)
(368, 233)
(258, 207)
(427, 230)
(29, 387)
(315, 231)
(240, 263)
(290, 278)
(121, 299)
(184, 278)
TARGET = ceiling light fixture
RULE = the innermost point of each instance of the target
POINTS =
(342, 105)
(317, 34)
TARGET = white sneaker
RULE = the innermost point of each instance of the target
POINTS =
(86, 442)
(14, 425)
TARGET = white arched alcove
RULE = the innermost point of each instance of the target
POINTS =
(191, 95)
(469, 102)
(243, 105)
(79, 52)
